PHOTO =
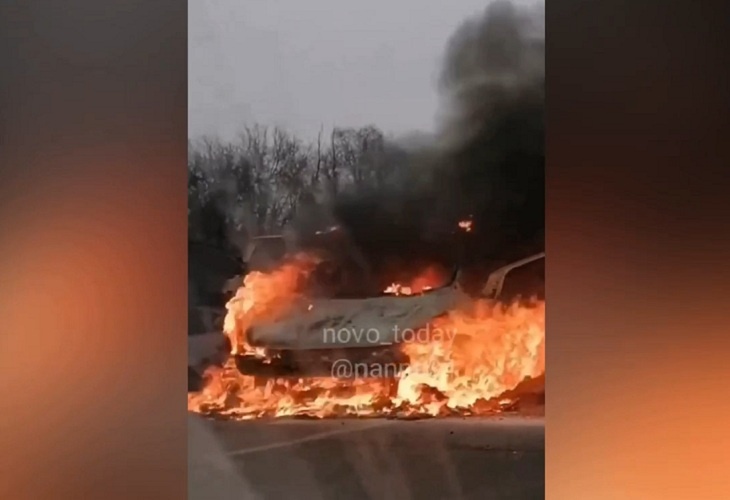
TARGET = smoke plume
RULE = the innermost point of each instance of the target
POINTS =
(488, 161)
(493, 82)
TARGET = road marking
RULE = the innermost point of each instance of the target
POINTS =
(313, 437)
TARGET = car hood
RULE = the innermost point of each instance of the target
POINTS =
(347, 323)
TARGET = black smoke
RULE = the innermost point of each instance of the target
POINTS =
(494, 84)
(488, 163)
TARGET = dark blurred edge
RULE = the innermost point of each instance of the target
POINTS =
(638, 237)
(637, 242)
(93, 142)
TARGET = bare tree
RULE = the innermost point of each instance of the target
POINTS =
(255, 184)
(318, 166)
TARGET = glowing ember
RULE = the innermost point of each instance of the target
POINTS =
(422, 283)
(330, 229)
(466, 225)
(488, 350)
(398, 289)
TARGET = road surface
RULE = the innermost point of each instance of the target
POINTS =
(478, 458)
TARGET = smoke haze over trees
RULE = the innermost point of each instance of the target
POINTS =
(486, 162)
(257, 184)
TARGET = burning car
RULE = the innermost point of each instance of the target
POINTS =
(297, 314)
(335, 313)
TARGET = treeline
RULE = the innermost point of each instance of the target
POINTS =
(253, 184)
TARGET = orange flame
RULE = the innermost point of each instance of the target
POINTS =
(466, 225)
(482, 351)
(422, 283)
(264, 296)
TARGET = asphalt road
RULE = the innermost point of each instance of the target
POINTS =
(479, 458)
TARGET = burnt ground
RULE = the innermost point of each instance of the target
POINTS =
(479, 458)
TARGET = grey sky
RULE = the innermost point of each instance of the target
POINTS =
(306, 63)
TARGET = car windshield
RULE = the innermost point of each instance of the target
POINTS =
(342, 271)
(341, 277)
